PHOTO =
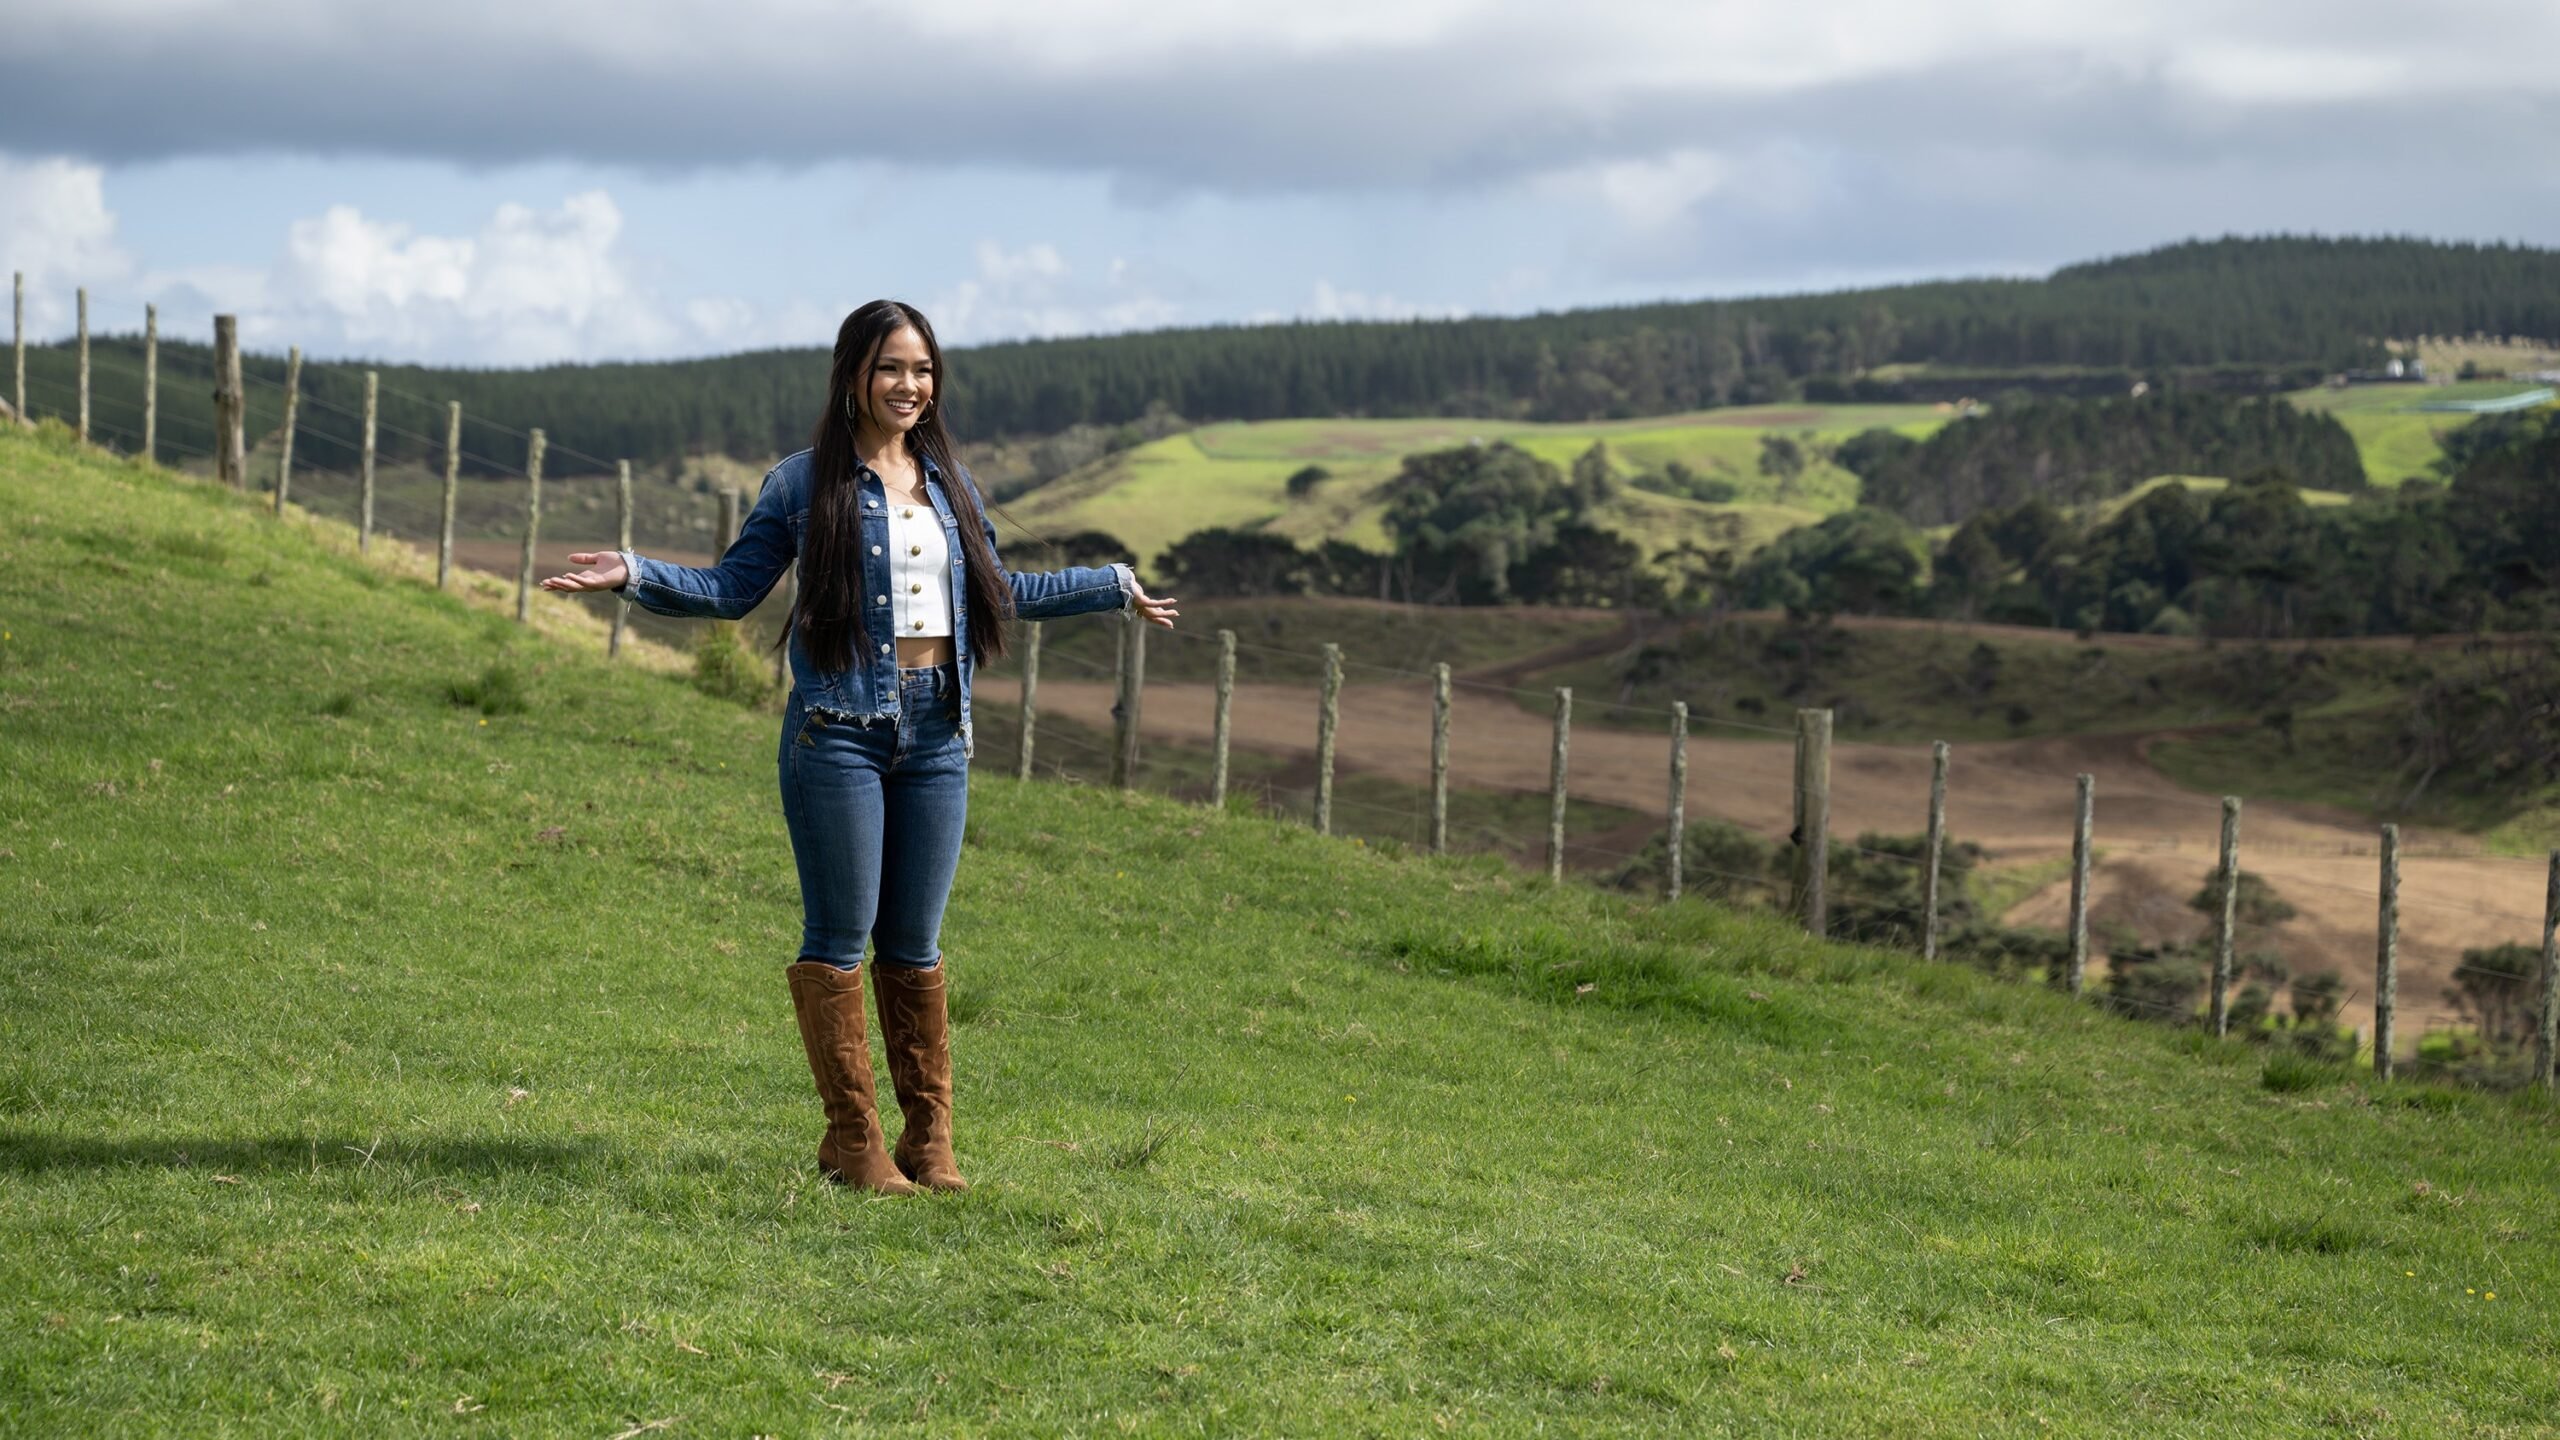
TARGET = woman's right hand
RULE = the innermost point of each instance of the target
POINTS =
(606, 572)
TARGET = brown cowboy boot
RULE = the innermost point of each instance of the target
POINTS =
(916, 1031)
(831, 1030)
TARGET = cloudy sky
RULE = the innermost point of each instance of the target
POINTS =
(509, 183)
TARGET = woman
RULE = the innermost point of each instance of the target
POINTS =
(901, 596)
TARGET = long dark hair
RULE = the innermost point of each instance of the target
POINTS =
(828, 612)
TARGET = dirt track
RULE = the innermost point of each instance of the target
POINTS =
(2014, 798)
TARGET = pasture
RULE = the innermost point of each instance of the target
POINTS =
(1236, 475)
(395, 1041)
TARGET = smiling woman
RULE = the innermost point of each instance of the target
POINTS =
(902, 596)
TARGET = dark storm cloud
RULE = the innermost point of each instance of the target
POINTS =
(2022, 140)
(1487, 100)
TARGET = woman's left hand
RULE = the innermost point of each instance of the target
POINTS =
(1158, 609)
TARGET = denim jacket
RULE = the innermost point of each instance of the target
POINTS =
(770, 540)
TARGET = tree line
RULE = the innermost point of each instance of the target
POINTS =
(2075, 452)
(2268, 306)
(2476, 548)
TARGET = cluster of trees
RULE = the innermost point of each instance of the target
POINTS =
(2073, 452)
(2274, 302)
(1472, 525)
(2481, 552)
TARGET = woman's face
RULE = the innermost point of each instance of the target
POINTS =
(900, 385)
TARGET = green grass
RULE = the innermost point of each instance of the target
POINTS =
(1368, 808)
(1236, 475)
(2397, 440)
(2199, 484)
(366, 1067)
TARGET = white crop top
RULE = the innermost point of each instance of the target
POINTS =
(919, 573)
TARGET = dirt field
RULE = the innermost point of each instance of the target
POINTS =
(2156, 841)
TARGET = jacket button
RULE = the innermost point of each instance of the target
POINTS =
(879, 599)
(915, 549)
(915, 589)
(874, 504)
(885, 647)
(875, 549)
(919, 624)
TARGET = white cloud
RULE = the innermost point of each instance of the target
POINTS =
(1330, 302)
(56, 229)
(528, 286)
(1650, 193)
(1033, 293)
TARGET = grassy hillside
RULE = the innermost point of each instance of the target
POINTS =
(2396, 439)
(1236, 475)
(371, 1060)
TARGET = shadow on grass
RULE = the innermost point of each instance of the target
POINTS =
(24, 1154)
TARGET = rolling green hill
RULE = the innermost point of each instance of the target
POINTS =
(392, 1040)
(1235, 475)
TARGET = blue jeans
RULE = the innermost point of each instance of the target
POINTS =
(875, 812)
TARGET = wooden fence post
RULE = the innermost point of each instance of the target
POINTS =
(1676, 832)
(292, 408)
(18, 341)
(452, 481)
(621, 541)
(728, 519)
(1555, 783)
(1813, 819)
(1219, 733)
(2225, 925)
(534, 446)
(84, 364)
(230, 406)
(1327, 715)
(151, 383)
(1030, 701)
(1124, 707)
(1937, 850)
(2546, 1030)
(2080, 885)
(372, 417)
(2386, 956)
(1440, 758)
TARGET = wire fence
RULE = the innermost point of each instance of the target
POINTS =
(1615, 831)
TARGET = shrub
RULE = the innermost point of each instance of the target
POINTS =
(725, 668)
(497, 690)
(2288, 1072)
(2161, 983)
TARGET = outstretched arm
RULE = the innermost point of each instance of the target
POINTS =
(745, 574)
(1075, 590)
